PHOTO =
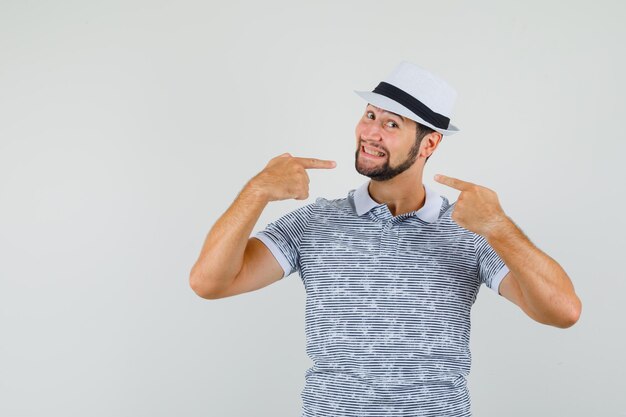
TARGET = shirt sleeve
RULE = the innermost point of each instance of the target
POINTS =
(283, 236)
(491, 268)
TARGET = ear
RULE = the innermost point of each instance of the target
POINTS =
(438, 139)
(430, 143)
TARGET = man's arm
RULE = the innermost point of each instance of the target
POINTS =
(224, 257)
(222, 254)
(535, 282)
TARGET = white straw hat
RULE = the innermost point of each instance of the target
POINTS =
(416, 93)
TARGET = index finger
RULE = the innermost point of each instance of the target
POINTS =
(453, 182)
(315, 163)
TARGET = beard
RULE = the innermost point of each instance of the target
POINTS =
(382, 170)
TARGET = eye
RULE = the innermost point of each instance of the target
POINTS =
(392, 123)
(367, 114)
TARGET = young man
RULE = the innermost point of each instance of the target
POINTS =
(392, 270)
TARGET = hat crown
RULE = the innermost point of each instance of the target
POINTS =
(425, 86)
(416, 93)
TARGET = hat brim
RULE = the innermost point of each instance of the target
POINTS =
(388, 104)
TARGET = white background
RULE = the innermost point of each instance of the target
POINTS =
(127, 128)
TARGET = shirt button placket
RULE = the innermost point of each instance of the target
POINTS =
(396, 238)
(388, 240)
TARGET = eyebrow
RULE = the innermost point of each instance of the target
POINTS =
(387, 111)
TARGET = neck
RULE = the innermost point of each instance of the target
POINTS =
(401, 195)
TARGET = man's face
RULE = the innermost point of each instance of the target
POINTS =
(394, 135)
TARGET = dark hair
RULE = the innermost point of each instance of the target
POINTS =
(422, 130)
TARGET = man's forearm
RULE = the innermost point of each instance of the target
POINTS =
(546, 287)
(221, 257)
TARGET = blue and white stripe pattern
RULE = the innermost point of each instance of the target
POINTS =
(388, 302)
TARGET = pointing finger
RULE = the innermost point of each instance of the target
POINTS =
(453, 182)
(316, 163)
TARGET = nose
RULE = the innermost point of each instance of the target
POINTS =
(371, 131)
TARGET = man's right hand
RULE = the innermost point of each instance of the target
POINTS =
(285, 177)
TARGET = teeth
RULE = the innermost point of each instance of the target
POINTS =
(375, 153)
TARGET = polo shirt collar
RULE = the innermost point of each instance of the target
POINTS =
(429, 212)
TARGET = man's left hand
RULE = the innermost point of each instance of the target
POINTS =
(477, 209)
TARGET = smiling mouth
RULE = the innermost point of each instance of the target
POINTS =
(370, 155)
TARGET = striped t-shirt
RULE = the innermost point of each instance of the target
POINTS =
(388, 302)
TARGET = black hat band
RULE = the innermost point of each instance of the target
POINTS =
(413, 104)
